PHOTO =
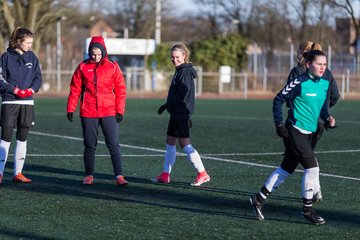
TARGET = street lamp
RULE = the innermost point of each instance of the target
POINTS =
(158, 22)
(58, 51)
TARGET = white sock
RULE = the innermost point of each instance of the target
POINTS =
(194, 157)
(170, 157)
(276, 179)
(317, 186)
(4, 152)
(317, 183)
(311, 175)
(19, 157)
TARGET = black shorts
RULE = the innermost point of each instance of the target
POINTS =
(17, 115)
(298, 149)
(178, 128)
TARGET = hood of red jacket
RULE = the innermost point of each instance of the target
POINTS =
(98, 42)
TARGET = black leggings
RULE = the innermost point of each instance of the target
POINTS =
(21, 134)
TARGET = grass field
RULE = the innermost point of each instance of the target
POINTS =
(239, 147)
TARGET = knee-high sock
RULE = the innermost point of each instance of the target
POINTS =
(317, 187)
(4, 152)
(19, 157)
(194, 157)
(170, 157)
(311, 176)
(276, 179)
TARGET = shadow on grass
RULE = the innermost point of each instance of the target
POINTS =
(7, 233)
(177, 195)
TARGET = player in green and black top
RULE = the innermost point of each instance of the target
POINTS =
(307, 98)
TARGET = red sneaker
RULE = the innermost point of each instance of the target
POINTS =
(164, 177)
(20, 178)
(120, 181)
(202, 177)
(1, 177)
(88, 180)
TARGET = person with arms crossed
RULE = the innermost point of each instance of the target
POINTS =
(99, 84)
(180, 104)
(20, 78)
(333, 96)
(307, 98)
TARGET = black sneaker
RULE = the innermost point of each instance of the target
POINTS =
(257, 208)
(317, 197)
(312, 216)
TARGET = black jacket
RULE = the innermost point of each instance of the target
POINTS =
(181, 97)
(22, 71)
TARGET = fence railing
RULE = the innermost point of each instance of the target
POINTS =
(241, 83)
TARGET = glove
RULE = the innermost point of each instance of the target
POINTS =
(29, 92)
(70, 116)
(282, 131)
(162, 109)
(190, 123)
(330, 123)
(20, 93)
(119, 117)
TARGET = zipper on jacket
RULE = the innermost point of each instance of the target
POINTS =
(96, 90)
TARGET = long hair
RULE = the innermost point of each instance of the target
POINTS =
(182, 48)
(305, 47)
(18, 36)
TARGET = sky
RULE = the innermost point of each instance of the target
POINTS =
(187, 5)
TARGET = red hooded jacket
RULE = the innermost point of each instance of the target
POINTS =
(100, 86)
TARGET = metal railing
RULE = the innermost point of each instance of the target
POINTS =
(241, 83)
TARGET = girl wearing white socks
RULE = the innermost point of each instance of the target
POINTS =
(307, 97)
(180, 104)
(20, 78)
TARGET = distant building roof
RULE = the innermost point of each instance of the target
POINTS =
(102, 28)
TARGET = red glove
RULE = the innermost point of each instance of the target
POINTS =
(29, 92)
(20, 93)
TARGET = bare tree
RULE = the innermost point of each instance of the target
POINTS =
(348, 6)
(239, 13)
(36, 15)
(301, 9)
(138, 17)
(210, 9)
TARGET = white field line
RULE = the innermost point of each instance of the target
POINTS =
(97, 155)
(242, 118)
(260, 119)
(204, 156)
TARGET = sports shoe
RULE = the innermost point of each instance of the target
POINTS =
(88, 180)
(20, 178)
(256, 207)
(120, 181)
(201, 178)
(312, 216)
(1, 178)
(162, 178)
(317, 197)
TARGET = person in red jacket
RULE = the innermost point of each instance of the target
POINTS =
(99, 84)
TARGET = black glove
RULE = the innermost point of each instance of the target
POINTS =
(327, 125)
(282, 131)
(162, 109)
(70, 116)
(119, 117)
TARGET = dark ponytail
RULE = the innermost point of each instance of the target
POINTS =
(19, 33)
(312, 54)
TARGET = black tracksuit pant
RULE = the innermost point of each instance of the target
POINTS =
(110, 129)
